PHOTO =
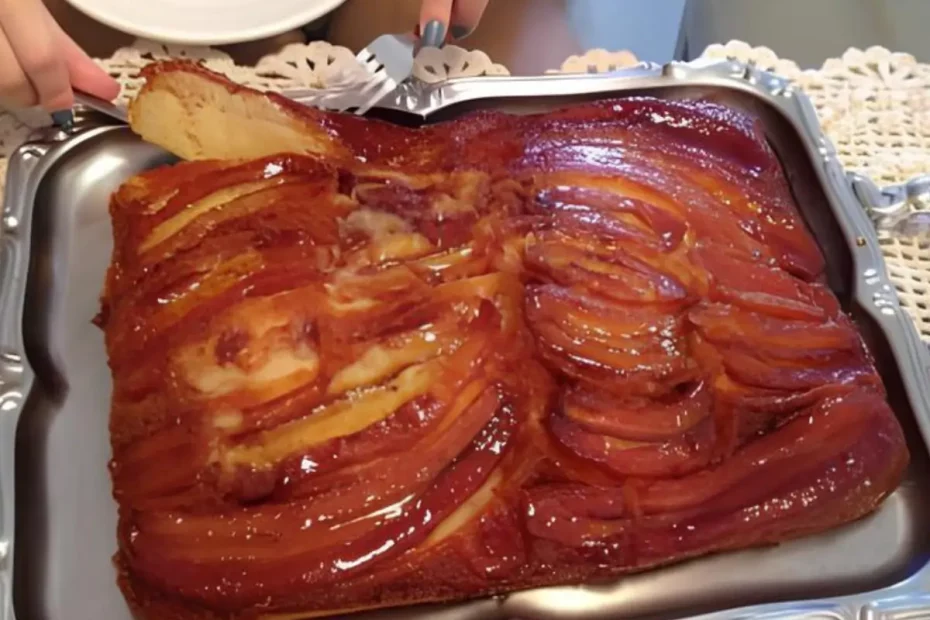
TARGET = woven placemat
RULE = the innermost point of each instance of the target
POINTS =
(874, 105)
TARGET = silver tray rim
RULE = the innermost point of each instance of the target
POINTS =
(851, 199)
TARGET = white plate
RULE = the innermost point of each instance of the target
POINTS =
(205, 22)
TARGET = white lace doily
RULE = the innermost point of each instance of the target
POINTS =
(874, 105)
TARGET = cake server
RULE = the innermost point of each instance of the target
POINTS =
(389, 61)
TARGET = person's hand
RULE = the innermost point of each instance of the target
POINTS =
(39, 63)
(442, 20)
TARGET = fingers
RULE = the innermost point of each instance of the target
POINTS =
(465, 17)
(455, 19)
(14, 85)
(39, 63)
(25, 25)
(434, 22)
(85, 74)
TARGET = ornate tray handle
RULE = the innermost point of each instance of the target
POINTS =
(15, 374)
(902, 211)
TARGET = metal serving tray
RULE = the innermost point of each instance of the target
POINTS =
(54, 381)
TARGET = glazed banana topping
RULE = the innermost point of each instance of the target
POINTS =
(500, 352)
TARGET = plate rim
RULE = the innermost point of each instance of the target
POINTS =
(313, 11)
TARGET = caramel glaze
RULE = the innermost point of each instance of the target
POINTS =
(484, 355)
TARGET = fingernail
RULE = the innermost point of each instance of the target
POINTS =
(434, 33)
(63, 118)
(459, 32)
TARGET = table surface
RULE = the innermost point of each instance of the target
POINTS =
(810, 31)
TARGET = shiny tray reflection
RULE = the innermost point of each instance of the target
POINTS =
(56, 246)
